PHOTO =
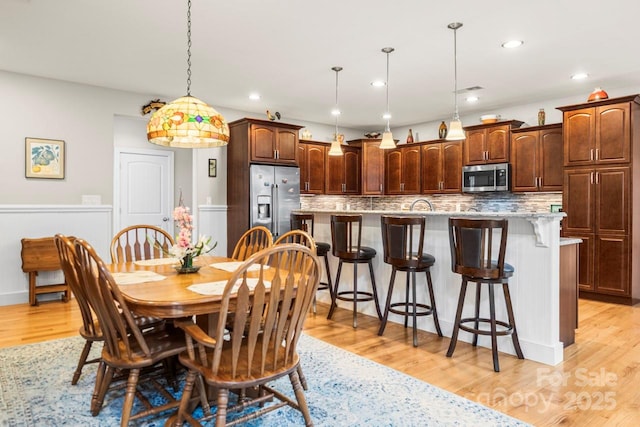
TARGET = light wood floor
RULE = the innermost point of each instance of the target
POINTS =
(596, 385)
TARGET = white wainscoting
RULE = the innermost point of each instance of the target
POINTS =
(212, 221)
(90, 222)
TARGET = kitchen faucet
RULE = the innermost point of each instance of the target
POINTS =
(421, 200)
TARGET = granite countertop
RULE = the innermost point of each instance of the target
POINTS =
(439, 213)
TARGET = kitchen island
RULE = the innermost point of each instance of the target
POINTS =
(533, 248)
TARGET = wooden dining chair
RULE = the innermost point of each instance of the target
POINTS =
(298, 237)
(90, 329)
(126, 347)
(262, 345)
(253, 240)
(137, 242)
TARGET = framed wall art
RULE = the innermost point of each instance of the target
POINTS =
(213, 168)
(44, 158)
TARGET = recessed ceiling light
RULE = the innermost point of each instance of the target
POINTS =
(472, 98)
(512, 44)
(335, 112)
(378, 83)
(579, 76)
(386, 116)
(254, 96)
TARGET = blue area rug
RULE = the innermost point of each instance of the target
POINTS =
(344, 390)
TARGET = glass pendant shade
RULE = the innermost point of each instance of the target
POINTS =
(387, 141)
(455, 132)
(188, 122)
(335, 149)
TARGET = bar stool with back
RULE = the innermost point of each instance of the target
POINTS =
(472, 256)
(346, 236)
(403, 250)
(305, 222)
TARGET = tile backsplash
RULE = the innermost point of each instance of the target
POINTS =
(484, 202)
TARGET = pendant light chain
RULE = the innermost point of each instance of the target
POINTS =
(189, 48)
(455, 73)
(337, 70)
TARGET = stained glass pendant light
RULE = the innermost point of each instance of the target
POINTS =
(188, 122)
(387, 138)
(336, 149)
(455, 126)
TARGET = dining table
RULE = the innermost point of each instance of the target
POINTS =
(154, 287)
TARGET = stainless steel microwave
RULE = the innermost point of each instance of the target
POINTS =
(483, 178)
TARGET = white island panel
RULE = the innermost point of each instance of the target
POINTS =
(532, 248)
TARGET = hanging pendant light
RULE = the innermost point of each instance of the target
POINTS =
(336, 149)
(455, 126)
(387, 138)
(188, 122)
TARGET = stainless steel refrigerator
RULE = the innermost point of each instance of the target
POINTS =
(275, 192)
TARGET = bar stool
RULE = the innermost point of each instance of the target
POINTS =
(304, 222)
(346, 234)
(472, 256)
(403, 250)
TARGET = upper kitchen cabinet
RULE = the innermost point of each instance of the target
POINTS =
(402, 170)
(598, 133)
(343, 172)
(311, 158)
(536, 158)
(442, 167)
(372, 181)
(269, 142)
(489, 143)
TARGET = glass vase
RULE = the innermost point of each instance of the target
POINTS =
(186, 265)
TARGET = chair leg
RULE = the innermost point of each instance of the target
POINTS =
(433, 303)
(186, 396)
(415, 315)
(383, 325)
(104, 376)
(355, 294)
(407, 289)
(223, 402)
(335, 292)
(456, 323)
(375, 290)
(127, 406)
(512, 321)
(83, 359)
(328, 270)
(303, 379)
(476, 324)
(302, 401)
(492, 322)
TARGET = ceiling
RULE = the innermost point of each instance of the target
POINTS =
(284, 49)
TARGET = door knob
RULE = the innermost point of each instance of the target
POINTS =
(165, 219)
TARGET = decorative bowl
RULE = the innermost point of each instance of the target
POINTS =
(489, 118)
(597, 95)
(372, 135)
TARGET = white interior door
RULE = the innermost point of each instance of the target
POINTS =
(145, 188)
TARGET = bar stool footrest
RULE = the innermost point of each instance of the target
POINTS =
(426, 309)
(359, 296)
(507, 331)
(322, 286)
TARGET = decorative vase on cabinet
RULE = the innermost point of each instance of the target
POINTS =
(442, 130)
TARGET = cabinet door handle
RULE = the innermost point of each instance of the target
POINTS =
(597, 177)
(381, 188)
(591, 154)
(591, 177)
(597, 154)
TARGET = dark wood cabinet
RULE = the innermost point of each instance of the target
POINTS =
(489, 143)
(442, 167)
(536, 158)
(253, 141)
(402, 170)
(311, 159)
(598, 135)
(599, 140)
(273, 143)
(372, 178)
(343, 172)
